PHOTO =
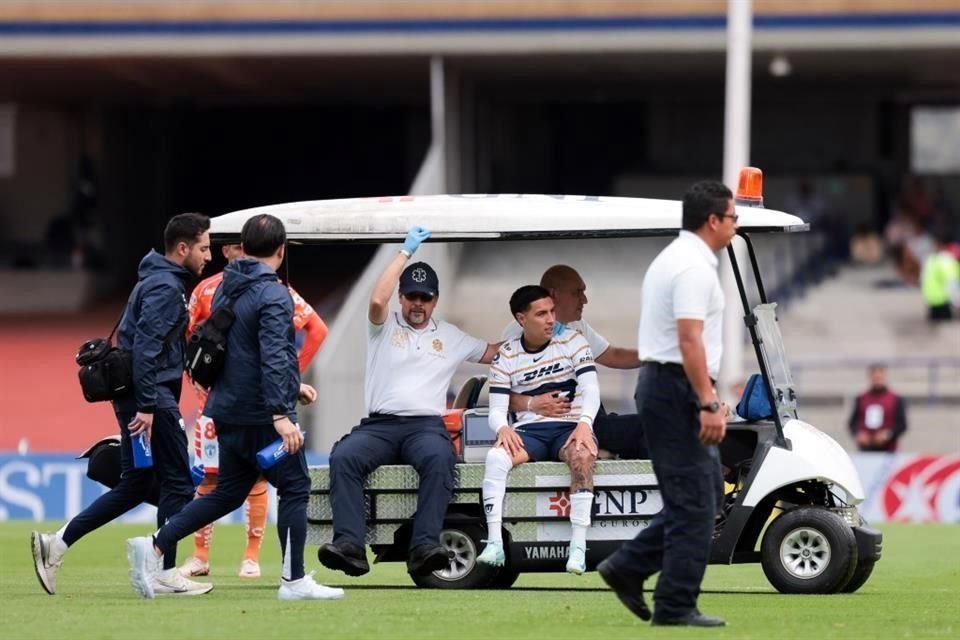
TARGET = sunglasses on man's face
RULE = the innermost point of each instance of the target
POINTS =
(422, 297)
(733, 216)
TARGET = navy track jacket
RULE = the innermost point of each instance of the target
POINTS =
(152, 331)
(260, 377)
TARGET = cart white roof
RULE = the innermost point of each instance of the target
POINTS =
(485, 217)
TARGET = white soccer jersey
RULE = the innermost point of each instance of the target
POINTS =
(409, 370)
(565, 365)
(598, 344)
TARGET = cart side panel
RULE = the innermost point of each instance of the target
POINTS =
(536, 508)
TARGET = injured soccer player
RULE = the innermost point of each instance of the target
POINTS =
(539, 362)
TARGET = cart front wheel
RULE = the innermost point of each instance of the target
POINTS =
(809, 550)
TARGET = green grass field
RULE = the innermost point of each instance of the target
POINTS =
(912, 594)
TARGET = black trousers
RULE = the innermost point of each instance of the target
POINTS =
(677, 540)
(621, 434)
(239, 445)
(420, 441)
(171, 467)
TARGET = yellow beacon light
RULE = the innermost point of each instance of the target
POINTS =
(750, 187)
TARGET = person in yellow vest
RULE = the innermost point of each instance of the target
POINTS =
(940, 281)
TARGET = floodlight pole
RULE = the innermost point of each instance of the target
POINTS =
(736, 155)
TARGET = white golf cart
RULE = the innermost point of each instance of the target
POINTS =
(792, 491)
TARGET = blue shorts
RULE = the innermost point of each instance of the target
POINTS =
(543, 440)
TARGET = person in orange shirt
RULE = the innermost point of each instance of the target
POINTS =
(205, 434)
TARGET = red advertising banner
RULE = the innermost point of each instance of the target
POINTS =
(906, 487)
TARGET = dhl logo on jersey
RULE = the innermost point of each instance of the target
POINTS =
(550, 369)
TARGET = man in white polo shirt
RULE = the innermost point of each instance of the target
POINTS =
(411, 358)
(620, 435)
(680, 337)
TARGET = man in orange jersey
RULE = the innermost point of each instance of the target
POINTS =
(205, 434)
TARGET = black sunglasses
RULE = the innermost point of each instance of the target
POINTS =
(733, 216)
(416, 295)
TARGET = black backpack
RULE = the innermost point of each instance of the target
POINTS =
(207, 347)
(106, 372)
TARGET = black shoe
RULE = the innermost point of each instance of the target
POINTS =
(692, 619)
(629, 594)
(426, 559)
(346, 557)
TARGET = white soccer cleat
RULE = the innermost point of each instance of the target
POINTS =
(195, 567)
(249, 569)
(577, 561)
(144, 565)
(306, 589)
(493, 554)
(46, 559)
(170, 583)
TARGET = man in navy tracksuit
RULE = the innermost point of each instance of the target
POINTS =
(252, 402)
(152, 331)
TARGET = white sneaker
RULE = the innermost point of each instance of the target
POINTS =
(171, 583)
(493, 554)
(144, 565)
(195, 567)
(47, 558)
(249, 568)
(306, 589)
(577, 561)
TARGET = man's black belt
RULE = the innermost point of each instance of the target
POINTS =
(673, 367)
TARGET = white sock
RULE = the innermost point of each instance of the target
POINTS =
(495, 472)
(59, 546)
(581, 504)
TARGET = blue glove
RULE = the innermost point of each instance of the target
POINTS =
(415, 236)
(196, 472)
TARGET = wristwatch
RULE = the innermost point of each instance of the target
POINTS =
(712, 407)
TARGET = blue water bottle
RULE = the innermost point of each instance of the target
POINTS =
(142, 455)
(196, 474)
(272, 454)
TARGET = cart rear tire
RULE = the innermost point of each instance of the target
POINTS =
(462, 541)
(809, 550)
(860, 575)
(505, 578)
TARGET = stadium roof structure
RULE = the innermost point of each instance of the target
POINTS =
(472, 217)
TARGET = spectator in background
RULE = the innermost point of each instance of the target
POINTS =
(915, 201)
(940, 280)
(879, 415)
(908, 233)
(899, 234)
